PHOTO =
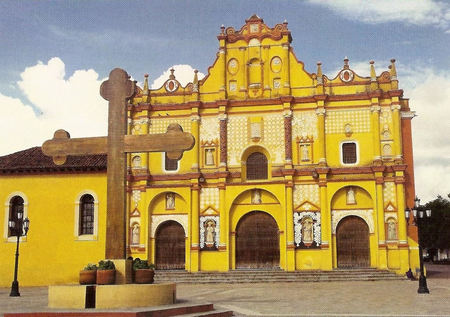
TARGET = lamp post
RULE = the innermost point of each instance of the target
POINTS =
(19, 227)
(419, 213)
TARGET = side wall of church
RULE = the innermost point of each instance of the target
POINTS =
(53, 252)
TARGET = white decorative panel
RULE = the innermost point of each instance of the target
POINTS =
(237, 138)
(366, 214)
(209, 197)
(158, 125)
(304, 124)
(389, 193)
(298, 216)
(209, 230)
(274, 136)
(335, 120)
(385, 123)
(306, 193)
(159, 219)
(136, 197)
(209, 129)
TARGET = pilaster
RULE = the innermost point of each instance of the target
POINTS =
(195, 235)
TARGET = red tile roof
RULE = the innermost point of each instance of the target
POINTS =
(34, 161)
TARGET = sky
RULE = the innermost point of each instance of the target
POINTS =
(55, 54)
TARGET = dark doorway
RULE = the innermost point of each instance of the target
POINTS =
(170, 246)
(257, 242)
(352, 239)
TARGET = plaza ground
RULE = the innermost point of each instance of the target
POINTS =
(378, 298)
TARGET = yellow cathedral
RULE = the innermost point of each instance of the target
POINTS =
(290, 170)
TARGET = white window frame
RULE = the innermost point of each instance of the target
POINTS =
(341, 154)
(163, 162)
(94, 235)
(25, 215)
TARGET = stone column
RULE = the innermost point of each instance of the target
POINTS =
(285, 70)
(376, 129)
(379, 211)
(290, 254)
(402, 229)
(396, 127)
(325, 220)
(320, 111)
(195, 223)
(195, 130)
(223, 141)
(288, 138)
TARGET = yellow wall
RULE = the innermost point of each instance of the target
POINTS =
(51, 253)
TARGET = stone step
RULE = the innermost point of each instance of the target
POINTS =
(253, 276)
(162, 311)
(213, 313)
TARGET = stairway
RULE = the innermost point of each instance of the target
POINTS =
(270, 276)
(182, 310)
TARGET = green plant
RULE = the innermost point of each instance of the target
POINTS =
(90, 267)
(106, 265)
(139, 264)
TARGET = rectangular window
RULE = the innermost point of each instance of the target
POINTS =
(169, 164)
(349, 155)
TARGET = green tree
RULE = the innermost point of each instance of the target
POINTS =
(435, 231)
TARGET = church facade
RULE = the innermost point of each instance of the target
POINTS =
(290, 169)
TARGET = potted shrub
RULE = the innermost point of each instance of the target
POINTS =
(89, 274)
(143, 271)
(106, 272)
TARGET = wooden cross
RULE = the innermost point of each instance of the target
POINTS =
(117, 90)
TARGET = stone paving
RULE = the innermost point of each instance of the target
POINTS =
(377, 298)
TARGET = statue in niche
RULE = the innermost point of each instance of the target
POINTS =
(392, 230)
(209, 157)
(170, 201)
(210, 230)
(256, 196)
(305, 152)
(135, 234)
(307, 230)
(136, 162)
(351, 200)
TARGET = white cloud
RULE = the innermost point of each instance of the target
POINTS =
(183, 73)
(416, 12)
(73, 104)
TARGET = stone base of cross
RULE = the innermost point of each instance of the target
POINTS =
(118, 89)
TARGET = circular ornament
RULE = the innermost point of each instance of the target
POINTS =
(171, 85)
(346, 75)
(276, 64)
(233, 66)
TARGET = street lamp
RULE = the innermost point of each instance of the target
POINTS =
(18, 228)
(419, 213)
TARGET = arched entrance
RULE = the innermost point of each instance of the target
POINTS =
(257, 241)
(352, 239)
(170, 246)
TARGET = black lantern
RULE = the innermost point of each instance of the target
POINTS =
(420, 214)
(18, 227)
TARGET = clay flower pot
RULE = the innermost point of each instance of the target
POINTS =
(144, 276)
(106, 277)
(88, 277)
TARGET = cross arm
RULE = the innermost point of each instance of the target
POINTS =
(62, 145)
(174, 142)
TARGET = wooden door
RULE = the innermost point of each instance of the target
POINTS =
(170, 246)
(352, 239)
(257, 241)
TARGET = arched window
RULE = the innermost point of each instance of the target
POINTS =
(257, 166)
(15, 206)
(86, 220)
